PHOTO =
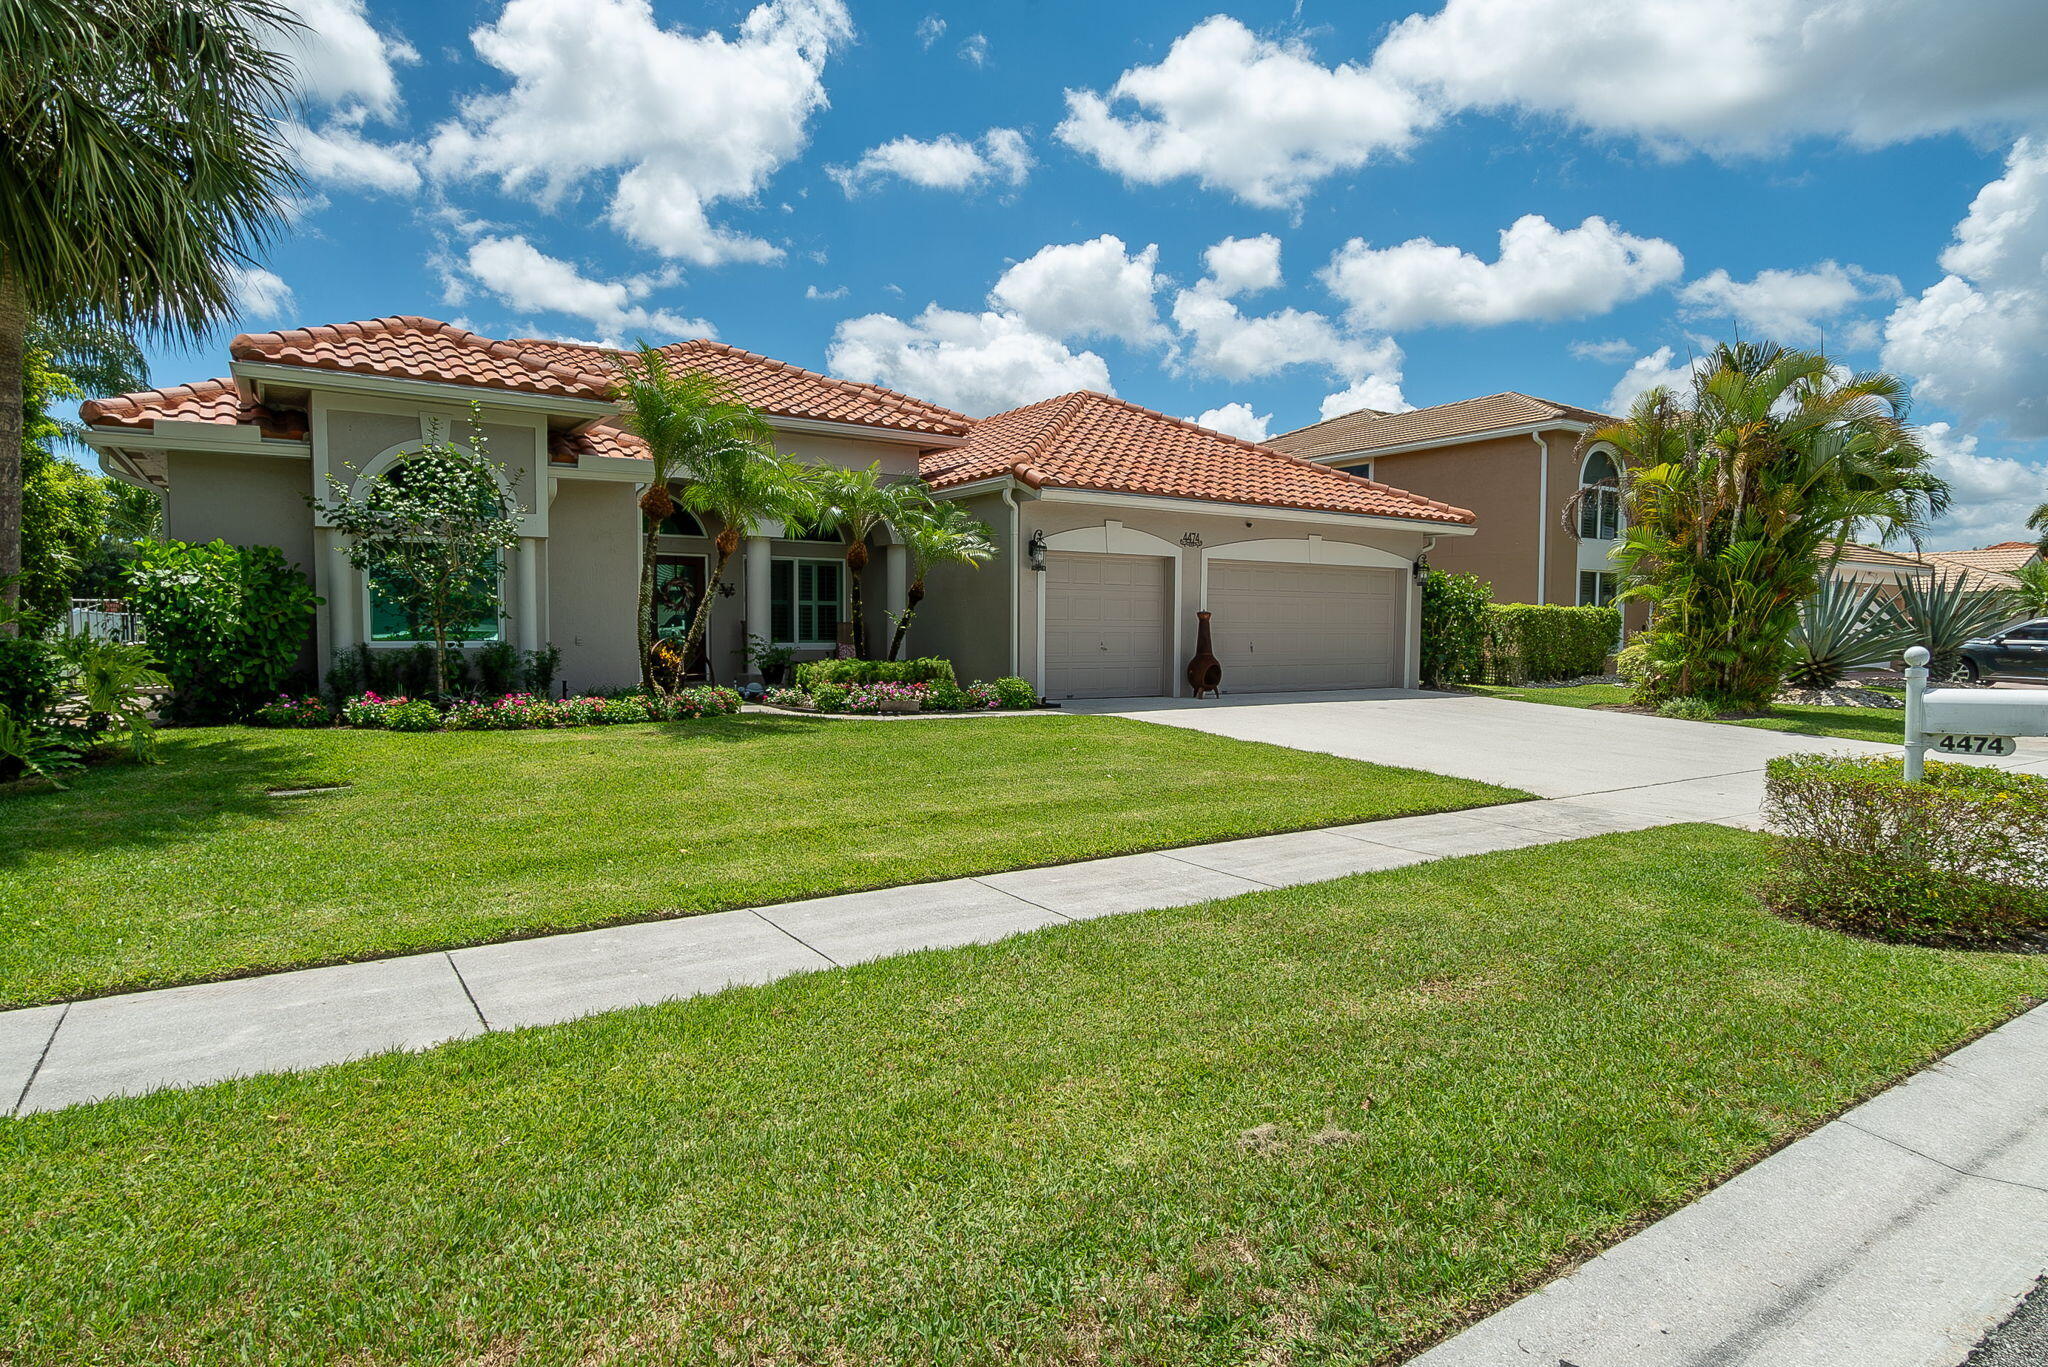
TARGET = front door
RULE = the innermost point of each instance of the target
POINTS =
(678, 595)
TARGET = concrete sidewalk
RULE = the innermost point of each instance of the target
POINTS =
(56, 1056)
(1896, 1236)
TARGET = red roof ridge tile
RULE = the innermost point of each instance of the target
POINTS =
(264, 346)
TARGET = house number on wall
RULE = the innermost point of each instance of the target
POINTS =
(1191, 539)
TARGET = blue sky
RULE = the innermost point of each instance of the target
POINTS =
(1264, 213)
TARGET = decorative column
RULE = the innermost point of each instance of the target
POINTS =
(526, 565)
(756, 557)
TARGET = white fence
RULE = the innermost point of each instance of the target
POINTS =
(104, 619)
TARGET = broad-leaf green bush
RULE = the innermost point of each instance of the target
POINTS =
(1527, 643)
(227, 622)
(1959, 859)
(809, 675)
(1453, 627)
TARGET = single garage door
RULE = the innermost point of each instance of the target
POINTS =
(1106, 619)
(1281, 627)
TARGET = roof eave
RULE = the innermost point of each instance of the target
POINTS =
(1066, 494)
(1490, 434)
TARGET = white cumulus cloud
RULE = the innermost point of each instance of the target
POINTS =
(978, 363)
(527, 279)
(1261, 119)
(687, 120)
(1543, 273)
(1376, 392)
(1976, 341)
(1243, 265)
(1237, 420)
(1733, 76)
(260, 295)
(345, 71)
(1990, 496)
(1785, 305)
(947, 162)
(1611, 350)
(1661, 369)
(1098, 288)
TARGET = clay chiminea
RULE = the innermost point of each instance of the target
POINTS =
(1205, 671)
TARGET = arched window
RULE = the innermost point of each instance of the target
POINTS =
(681, 522)
(1599, 498)
(385, 597)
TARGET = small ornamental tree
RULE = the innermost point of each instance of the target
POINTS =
(430, 532)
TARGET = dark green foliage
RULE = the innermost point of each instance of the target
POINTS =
(1453, 627)
(1842, 627)
(29, 675)
(227, 622)
(1527, 643)
(1960, 858)
(497, 669)
(812, 673)
(537, 669)
(1015, 694)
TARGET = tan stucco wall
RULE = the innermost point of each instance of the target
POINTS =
(592, 582)
(966, 613)
(243, 500)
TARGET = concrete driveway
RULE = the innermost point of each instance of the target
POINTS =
(1548, 751)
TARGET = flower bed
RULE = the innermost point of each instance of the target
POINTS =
(877, 699)
(511, 712)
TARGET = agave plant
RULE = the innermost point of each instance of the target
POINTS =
(1942, 614)
(1840, 628)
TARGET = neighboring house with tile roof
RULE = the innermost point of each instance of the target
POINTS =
(1115, 525)
(1519, 462)
(1875, 567)
(2003, 558)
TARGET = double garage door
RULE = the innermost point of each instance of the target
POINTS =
(1278, 627)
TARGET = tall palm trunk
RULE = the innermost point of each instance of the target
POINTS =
(856, 561)
(649, 551)
(911, 599)
(693, 640)
(13, 344)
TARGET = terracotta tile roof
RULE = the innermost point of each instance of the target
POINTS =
(779, 388)
(2003, 558)
(1946, 566)
(1087, 440)
(1368, 430)
(1873, 555)
(604, 437)
(212, 401)
(413, 348)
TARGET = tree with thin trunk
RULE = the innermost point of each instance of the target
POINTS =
(140, 165)
(2038, 521)
(859, 503)
(719, 454)
(942, 534)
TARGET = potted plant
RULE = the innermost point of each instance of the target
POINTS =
(772, 660)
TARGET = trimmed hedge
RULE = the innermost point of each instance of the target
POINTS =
(1959, 859)
(1526, 643)
(1454, 610)
(811, 673)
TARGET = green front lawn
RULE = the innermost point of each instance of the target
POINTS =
(1026, 1152)
(187, 871)
(1845, 723)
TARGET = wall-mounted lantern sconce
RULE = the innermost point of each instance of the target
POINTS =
(1035, 549)
(1192, 540)
(725, 588)
(1421, 570)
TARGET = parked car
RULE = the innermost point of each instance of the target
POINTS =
(2019, 652)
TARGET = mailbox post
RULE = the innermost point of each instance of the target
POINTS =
(1963, 721)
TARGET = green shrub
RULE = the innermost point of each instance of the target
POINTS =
(812, 673)
(1015, 694)
(1690, 709)
(30, 672)
(1961, 858)
(1453, 627)
(416, 714)
(1526, 643)
(831, 697)
(497, 669)
(228, 622)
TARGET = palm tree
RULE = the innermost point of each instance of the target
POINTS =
(2032, 594)
(2038, 521)
(943, 534)
(858, 503)
(139, 165)
(1732, 497)
(721, 453)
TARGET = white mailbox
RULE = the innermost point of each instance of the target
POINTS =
(1960, 721)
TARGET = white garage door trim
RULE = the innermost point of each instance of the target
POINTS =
(1301, 550)
(1133, 603)
(1114, 538)
(1332, 626)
